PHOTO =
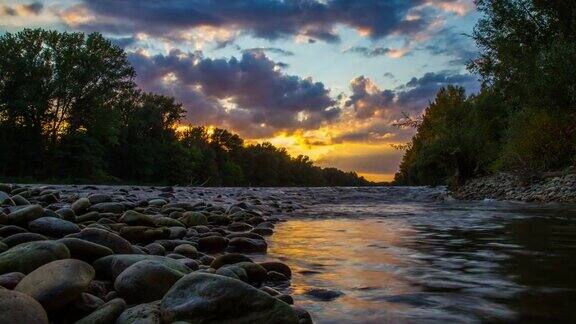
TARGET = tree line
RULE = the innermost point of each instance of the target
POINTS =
(71, 112)
(523, 121)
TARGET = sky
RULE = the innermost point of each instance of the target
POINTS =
(323, 78)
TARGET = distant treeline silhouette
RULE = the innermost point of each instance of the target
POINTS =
(524, 119)
(70, 112)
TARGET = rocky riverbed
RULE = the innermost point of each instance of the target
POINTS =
(99, 254)
(503, 186)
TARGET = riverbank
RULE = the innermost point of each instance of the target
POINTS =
(103, 254)
(558, 188)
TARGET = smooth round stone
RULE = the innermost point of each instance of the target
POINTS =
(16, 307)
(54, 227)
(85, 250)
(25, 214)
(131, 217)
(187, 250)
(5, 199)
(155, 249)
(3, 247)
(20, 238)
(66, 213)
(107, 313)
(113, 265)
(108, 207)
(57, 283)
(277, 267)
(141, 314)
(212, 243)
(239, 227)
(193, 219)
(251, 273)
(146, 281)
(248, 245)
(209, 298)
(157, 202)
(229, 258)
(20, 201)
(10, 280)
(80, 205)
(323, 294)
(99, 198)
(83, 306)
(106, 238)
(11, 230)
(28, 256)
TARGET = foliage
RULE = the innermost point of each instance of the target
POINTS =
(524, 119)
(69, 109)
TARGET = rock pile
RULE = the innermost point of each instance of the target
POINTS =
(138, 255)
(508, 187)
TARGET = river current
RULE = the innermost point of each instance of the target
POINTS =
(411, 255)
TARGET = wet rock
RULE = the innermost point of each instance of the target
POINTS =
(187, 250)
(53, 227)
(156, 249)
(16, 307)
(113, 265)
(322, 294)
(80, 205)
(141, 314)
(277, 267)
(108, 239)
(82, 306)
(108, 207)
(85, 250)
(10, 280)
(66, 214)
(229, 258)
(99, 198)
(107, 313)
(303, 315)
(5, 199)
(25, 214)
(57, 283)
(212, 243)
(20, 201)
(11, 230)
(249, 272)
(134, 218)
(239, 227)
(248, 245)
(195, 297)
(20, 238)
(146, 281)
(27, 257)
(274, 276)
(193, 219)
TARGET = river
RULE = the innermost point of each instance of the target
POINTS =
(401, 255)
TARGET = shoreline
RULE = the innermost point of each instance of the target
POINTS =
(125, 254)
(552, 189)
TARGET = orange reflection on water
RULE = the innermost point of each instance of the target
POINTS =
(357, 257)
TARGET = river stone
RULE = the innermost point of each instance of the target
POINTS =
(278, 267)
(54, 227)
(229, 258)
(209, 298)
(20, 201)
(131, 217)
(107, 313)
(10, 280)
(99, 198)
(16, 307)
(193, 219)
(249, 272)
(27, 257)
(141, 314)
(106, 238)
(25, 214)
(11, 230)
(20, 238)
(82, 306)
(262, 231)
(146, 281)
(3, 247)
(66, 214)
(113, 265)
(85, 250)
(212, 243)
(187, 250)
(80, 205)
(57, 283)
(248, 245)
(108, 207)
(5, 199)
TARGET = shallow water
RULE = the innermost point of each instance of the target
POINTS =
(399, 255)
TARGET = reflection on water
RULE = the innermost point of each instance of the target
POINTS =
(432, 262)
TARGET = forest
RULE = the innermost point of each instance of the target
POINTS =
(523, 121)
(71, 112)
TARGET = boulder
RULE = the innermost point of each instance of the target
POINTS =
(53, 227)
(249, 272)
(16, 307)
(107, 313)
(146, 281)
(85, 250)
(57, 283)
(277, 267)
(248, 245)
(229, 258)
(113, 265)
(106, 238)
(27, 257)
(210, 298)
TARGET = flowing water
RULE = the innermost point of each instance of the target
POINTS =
(400, 255)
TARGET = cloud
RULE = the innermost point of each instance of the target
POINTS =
(363, 158)
(273, 50)
(268, 19)
(378, 51)
(34, 8)
(459, 47)
(250, 94)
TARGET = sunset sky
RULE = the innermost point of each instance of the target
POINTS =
(324, 78)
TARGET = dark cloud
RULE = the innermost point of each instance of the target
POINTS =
(123, 42)
(369, 101)
(273, 50)
(369, 52)
(34, 8)
(269, 19)
(250, 94)
(389, 75)
(461, 48)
